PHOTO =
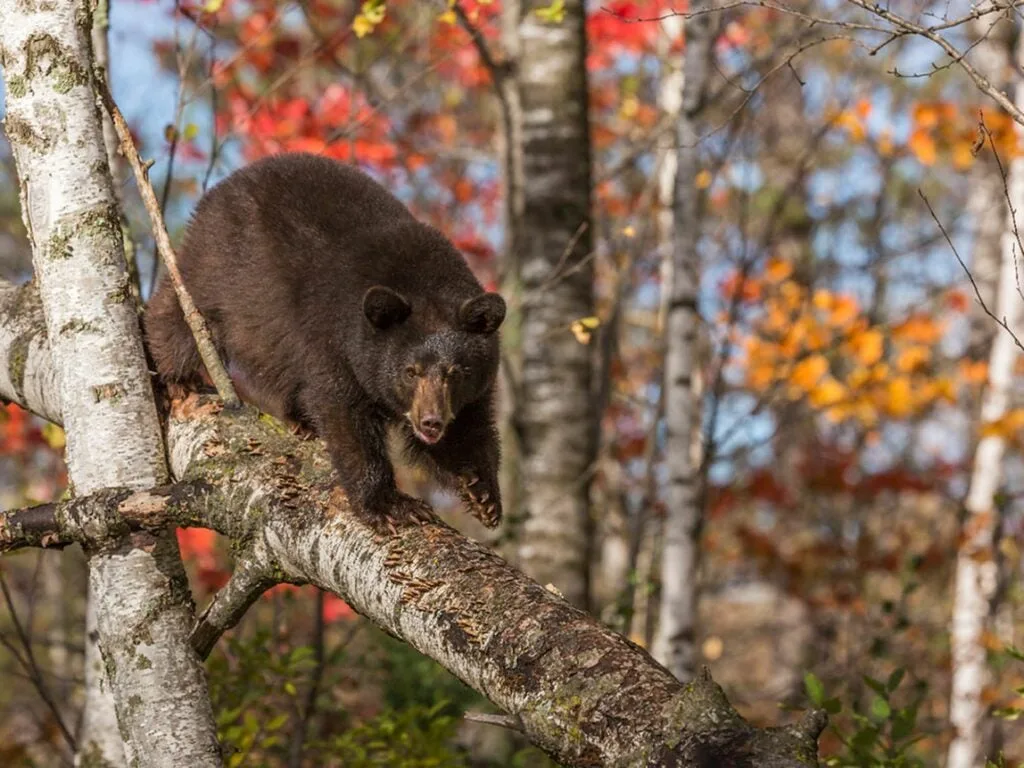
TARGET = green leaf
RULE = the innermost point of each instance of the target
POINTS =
(277, 722)
(832, 706)
(895, 679)
(877, 686)
(880, 708)
(815, 690)
(290, 689)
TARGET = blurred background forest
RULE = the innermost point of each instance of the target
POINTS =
(851, 194)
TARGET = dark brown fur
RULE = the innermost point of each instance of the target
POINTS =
(334, 308)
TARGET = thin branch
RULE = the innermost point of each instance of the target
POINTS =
(247, 583)
(31, 666)
(931, 33)
(977, 293)
(308, 711)
(201, 332)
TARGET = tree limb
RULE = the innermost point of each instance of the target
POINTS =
(583, 693)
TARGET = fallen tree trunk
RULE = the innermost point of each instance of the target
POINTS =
(582, 693)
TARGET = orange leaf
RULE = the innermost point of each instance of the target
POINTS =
(912, 358)
(868, 346)
(844, 310)
(899, 400)
(777, 270)
(827, 393)
(922, 145)
(808, 372)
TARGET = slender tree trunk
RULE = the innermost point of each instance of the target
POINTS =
(977, 569)
(675, 646)
(552, 243)
(106, 401)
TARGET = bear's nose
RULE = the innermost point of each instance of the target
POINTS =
(431, 425)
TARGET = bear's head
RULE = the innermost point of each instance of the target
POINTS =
(428, 366)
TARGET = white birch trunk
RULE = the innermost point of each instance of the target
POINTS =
(556, 419)
(142, 605)
(675, 644)
(977, 576)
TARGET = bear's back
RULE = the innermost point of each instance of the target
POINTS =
(311, 229)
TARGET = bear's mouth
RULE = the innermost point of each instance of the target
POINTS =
(426, 434)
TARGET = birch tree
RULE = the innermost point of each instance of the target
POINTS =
(105, 398)
(977, 574)
(552, 245)
(676, 641)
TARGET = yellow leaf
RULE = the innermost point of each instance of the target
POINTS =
(448, 17)
(827, 393)
(630, 106)
(582, 328)
(702, 179)
(54, 436)
(899, 397)
(808, 372)
(963, 155)
(362, 26)
(852, 124)
(823, 300)
(912, 358)
(629, 231)
(212, 6)
(867, 346)
(553, 14)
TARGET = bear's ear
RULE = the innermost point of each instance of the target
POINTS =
(384, 307)
(482, 314)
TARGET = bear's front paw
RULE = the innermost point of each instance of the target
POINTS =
(482, 498)
(387, 516)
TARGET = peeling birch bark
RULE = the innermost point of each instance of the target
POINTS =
(676, 642)
(142, 605)
(581, 692)
(553, 243)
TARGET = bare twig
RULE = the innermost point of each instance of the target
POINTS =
(977, 293)
(932, 34)
(30, 665)
(308, 711)
(195, 321)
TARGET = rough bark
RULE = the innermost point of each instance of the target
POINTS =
(555, 410)
(105, 397)
(995, 257)
(675, 645)
(578, 690)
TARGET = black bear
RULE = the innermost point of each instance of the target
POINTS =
(334, 308)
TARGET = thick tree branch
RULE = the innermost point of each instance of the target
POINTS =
(583, 693)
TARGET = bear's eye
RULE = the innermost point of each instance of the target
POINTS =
(411, 373)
